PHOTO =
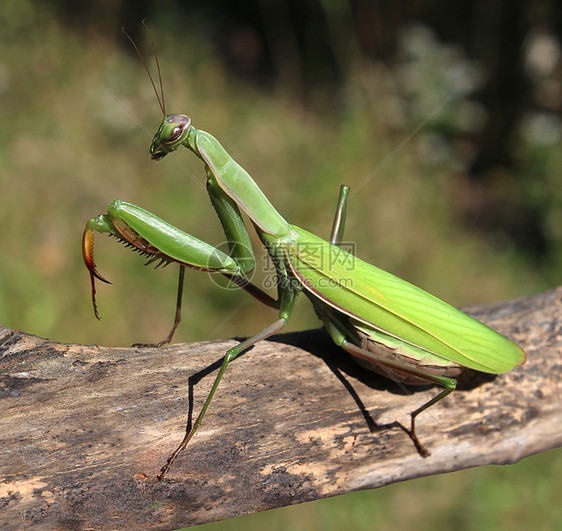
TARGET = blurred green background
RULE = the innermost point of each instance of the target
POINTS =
(444, 119)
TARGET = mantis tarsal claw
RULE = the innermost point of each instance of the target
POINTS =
(88, 255)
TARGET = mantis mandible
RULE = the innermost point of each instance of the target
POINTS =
(388, 325)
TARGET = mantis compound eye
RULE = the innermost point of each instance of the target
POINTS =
(176, 133)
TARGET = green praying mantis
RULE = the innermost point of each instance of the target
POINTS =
(388, 325)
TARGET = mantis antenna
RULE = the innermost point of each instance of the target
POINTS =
(159, 97)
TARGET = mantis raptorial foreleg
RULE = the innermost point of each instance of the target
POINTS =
(124, 221)
(239, 248)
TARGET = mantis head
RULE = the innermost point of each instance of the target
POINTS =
(172, 132)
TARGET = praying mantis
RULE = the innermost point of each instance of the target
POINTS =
(388, 325)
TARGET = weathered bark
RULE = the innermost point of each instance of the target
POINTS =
(85, 429)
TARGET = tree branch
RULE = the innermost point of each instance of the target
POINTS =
(85, 429)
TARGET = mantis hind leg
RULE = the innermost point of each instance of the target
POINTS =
(338, 225)
(340, 332)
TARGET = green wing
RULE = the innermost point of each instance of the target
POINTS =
(396, 307)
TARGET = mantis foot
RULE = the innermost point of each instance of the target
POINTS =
(422, 450)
